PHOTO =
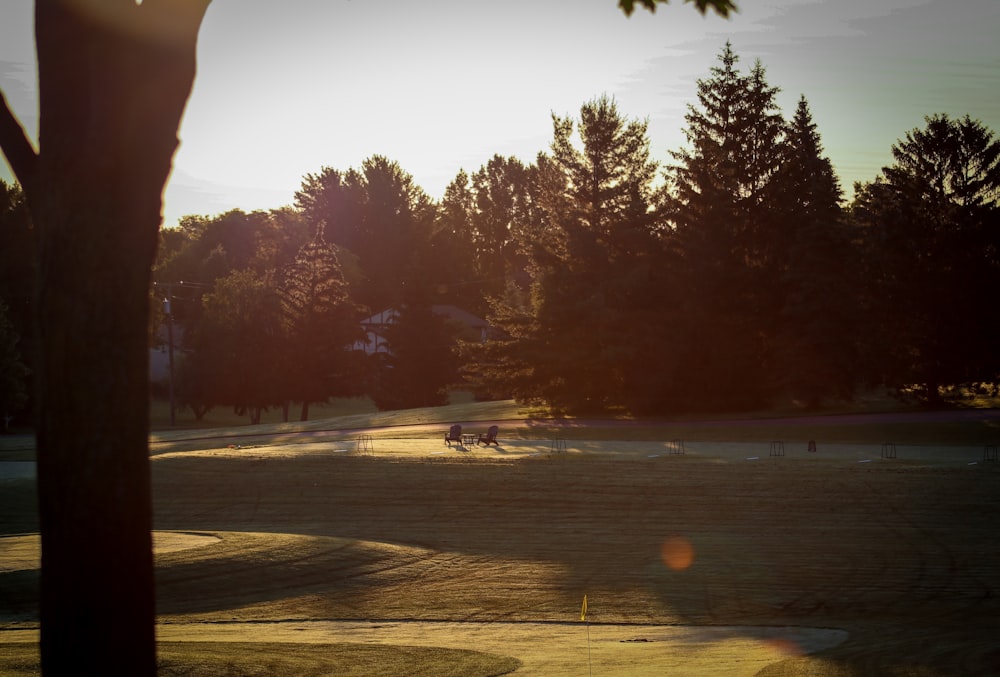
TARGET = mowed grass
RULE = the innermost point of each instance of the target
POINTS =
(349, 411)
(264, 659)
(899, 554)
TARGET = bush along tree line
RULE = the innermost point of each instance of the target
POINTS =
(731, 276)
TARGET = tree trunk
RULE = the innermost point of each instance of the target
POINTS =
(113, 81)
(305, 411)
(95, 505)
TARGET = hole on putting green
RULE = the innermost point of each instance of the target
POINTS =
(677, 553)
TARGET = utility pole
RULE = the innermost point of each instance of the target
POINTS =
(168, 311)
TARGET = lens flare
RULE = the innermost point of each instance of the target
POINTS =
(677, 553)
(785, 646)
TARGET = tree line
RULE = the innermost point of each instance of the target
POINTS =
(94, 185)
(728, 277)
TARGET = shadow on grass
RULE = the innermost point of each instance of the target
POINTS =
(224, 659)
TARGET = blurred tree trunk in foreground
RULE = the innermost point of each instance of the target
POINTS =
(114, 78)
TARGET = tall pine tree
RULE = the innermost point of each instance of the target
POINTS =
(720, 210)
(321, 323)
(452, 248)
(590, 252)
(816, 277)
(929, 226)
(501, 189)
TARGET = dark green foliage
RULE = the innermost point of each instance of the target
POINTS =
(452, 247)
(502, 205)
(721, 7)
(929, 229)
(721, 208)
(422, 364)
(320, 325)
(383, 218)
(503, 367)
(192, 382)
(17, 274)
(738, 283)
(479, 230)
(17, 254)
(816, 276)
(203, 249)
(588, 262)
(13, 372)
(238, 345)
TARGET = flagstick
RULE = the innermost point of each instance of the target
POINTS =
(590, 665)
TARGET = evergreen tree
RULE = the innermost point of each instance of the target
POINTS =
(452, 248)
(476, 238)
(422, 364)
(816, 278)
(720, 208)
(929, 225)
(502, 208)
(502, 367)
(595, 241)
(321, 324)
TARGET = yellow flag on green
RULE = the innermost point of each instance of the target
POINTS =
(583, 609)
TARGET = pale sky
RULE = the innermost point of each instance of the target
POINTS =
(287, 87)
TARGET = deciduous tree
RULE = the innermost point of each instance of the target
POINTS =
(239, 342)
(379, 214)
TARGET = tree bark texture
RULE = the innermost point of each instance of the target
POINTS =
(114, 77)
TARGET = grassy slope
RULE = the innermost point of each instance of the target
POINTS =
(897, 553)
(857, 423)
(262, 659)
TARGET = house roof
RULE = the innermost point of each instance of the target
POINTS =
(390, 315)
(460, 315)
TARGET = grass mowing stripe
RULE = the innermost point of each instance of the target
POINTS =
(229, 659)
